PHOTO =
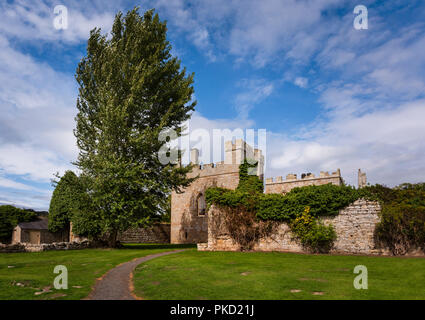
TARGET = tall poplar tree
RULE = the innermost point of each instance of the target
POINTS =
(130, 89)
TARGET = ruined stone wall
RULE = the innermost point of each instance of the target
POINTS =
(158, 233)
(187, 226)
(25, 236)
(51, 237)
(188, 223)
(278, 185)
(16, 235)
(354, 227)
(28, 247)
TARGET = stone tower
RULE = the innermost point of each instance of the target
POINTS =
(361, 177)
(189, 221)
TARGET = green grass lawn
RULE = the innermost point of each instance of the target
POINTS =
(238, 275)
(35, 270)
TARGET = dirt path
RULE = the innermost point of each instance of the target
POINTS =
(117, 284)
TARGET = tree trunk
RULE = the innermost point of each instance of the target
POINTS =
(112, 240)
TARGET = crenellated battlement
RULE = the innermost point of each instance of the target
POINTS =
(280, 185)
(291, 177)
(213, 169)
(235, 154)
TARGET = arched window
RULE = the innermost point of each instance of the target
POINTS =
(201, 205)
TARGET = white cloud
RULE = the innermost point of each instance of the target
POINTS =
(250, 30)
(301, 82)
(253, 91)
(33, 20)
(388, 144)
(31, 162)
(32, 200)
(191, 20)
(7, 183)
(38, 106)
(198, 121)
(202, 130)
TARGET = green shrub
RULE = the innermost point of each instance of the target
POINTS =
(312, 234)
(379, 193)
(71, 202)
(87, 223)
(402, 225)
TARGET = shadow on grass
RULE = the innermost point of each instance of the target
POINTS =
(150, 246)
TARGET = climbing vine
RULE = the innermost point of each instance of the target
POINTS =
(402, 225)
(250, 215)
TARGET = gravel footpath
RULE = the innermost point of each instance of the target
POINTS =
(117, 284)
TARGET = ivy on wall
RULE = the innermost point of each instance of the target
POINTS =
(402, 225)
(250, 203)
(324, 200)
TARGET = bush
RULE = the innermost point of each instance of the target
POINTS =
(246, 196)
(10, 217)
(71, 202)
(312, 234)
(402, 225)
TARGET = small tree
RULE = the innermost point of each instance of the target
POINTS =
(66, 200)
(130, 89)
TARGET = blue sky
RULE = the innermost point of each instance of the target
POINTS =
(329, 96)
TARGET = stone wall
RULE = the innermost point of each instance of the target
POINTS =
(44, 236)
(159, 233)
(279, 185)
(354, 227)
(51, 237)
(29, 247)
(12, 248)
(188, 225)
